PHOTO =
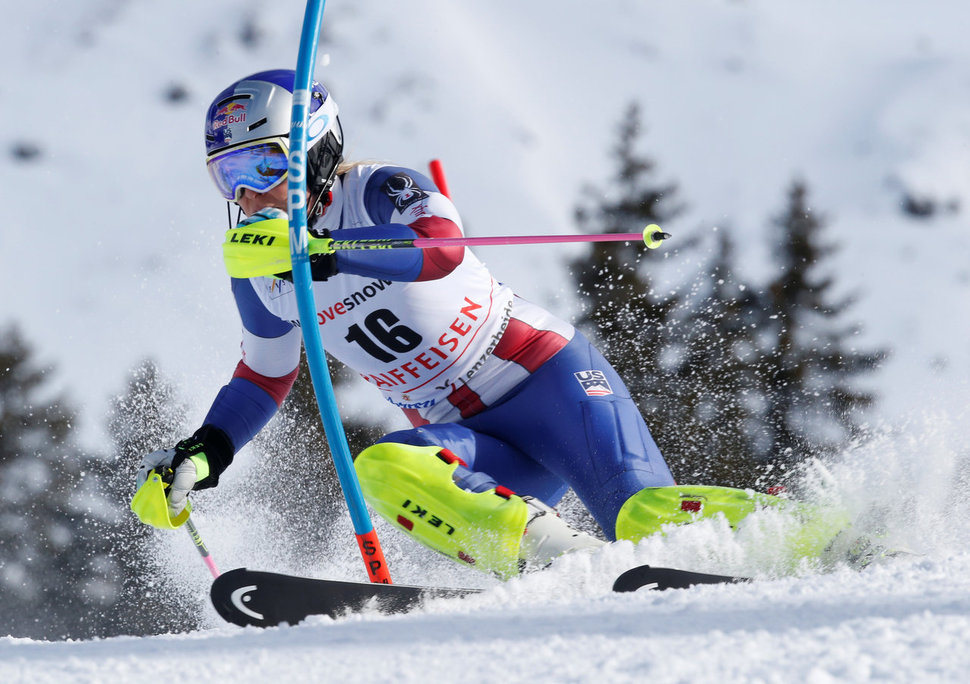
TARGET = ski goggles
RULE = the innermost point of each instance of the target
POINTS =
(260, 167)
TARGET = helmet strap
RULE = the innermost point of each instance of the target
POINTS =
(318, 207)
(229, 214)
(322, 196)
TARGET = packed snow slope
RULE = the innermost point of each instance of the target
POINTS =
(907, 624)
(905, 620)
(111, 245)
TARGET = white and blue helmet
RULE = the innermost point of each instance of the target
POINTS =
(247, 131)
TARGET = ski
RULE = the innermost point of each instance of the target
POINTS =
(265, 599)
(660, 579)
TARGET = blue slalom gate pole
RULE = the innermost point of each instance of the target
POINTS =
(370, 547)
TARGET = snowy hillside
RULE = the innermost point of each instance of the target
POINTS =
(111, 247)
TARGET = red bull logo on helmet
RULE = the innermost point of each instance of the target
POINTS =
(232, 113)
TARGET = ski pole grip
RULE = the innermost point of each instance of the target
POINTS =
(150, 503)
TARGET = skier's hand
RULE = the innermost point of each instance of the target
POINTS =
(322, 266)
(181, 479)
(194, 463)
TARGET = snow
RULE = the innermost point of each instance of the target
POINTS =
(901, 623)
(110, 246)
(836, 628)
(901, 620)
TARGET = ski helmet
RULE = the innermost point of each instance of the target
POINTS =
(247, 130)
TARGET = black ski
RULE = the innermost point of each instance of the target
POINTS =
(264, 599)
(647, 577)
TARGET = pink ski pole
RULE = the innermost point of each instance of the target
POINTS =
(651, 236)
(200, 546)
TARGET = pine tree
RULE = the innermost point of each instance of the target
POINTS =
(295, 476)
(621, 308)
(55, 573)
(146, 417)
(711, 379)
(665, 339)
(733, 379)
(812, 364)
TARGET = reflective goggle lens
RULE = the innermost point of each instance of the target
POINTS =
(257, 167)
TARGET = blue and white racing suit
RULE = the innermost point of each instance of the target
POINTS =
(519, 395)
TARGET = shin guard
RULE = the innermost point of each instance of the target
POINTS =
(647, 511)
(413, 488)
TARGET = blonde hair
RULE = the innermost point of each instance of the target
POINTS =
(345, 166)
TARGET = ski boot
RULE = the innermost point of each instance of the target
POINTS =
(547, 536)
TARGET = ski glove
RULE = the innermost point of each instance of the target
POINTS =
(322, 266)
(194, 463)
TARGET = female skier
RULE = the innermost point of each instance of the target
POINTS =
(510, 406)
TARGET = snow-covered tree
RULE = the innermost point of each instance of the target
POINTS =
(145, 417)
(732, 377)
(811, 362)
(294, 474)
(55, 576)
(620, 306)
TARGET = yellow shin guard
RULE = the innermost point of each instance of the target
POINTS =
(647, 511)
(413, 488)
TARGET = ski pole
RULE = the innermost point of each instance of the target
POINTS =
(651, 236)
(263, 249)
(299, 265)
(200, 546)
